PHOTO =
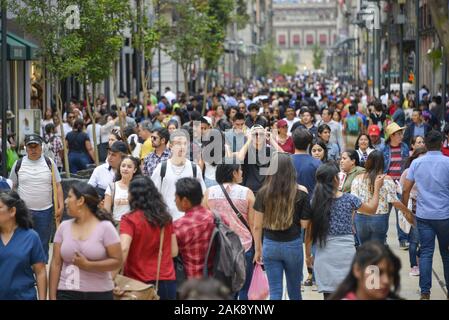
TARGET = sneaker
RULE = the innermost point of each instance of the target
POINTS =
(414, 272)
(425, 296)
(314, 287)
(403, 245)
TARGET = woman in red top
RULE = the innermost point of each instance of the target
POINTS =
(283, 139)
(374, 264)
(140, 238)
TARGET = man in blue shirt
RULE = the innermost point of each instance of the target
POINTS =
(305, 164)
(431, 175)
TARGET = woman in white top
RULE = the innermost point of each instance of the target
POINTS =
(375, 226)
(116, 195)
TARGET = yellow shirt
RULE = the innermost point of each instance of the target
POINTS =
(147, 148)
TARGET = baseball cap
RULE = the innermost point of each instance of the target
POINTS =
(33, 138)
(119, 146)
(282, 123)
(373, 130)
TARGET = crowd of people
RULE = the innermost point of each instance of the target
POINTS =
(306, 175)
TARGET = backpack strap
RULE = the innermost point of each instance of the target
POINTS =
(163, 171)
(112, 186)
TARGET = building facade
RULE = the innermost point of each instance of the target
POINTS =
(300, 25)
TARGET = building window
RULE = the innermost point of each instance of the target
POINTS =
(296, 40)
(323, 39)
(335, 38)
(281, 40)
(309, 40)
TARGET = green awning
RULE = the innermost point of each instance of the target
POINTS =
(31, 48)
(16, 50)
(19, 48)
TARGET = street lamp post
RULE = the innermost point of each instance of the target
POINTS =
(4, 89)
(417, 54)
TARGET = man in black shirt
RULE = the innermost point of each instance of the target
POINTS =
(256, 155)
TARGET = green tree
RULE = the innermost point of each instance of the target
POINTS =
(146, 39)
(219, 14)
(440, 18)
(59, 49)
(289, 68)
(184, 41)
(318, 55)
(266, 60)
(100, 36)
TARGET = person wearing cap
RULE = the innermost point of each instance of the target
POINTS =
(104, 174)
(145, 129)
(34, 184)
(283, 139)
(416, 128)
(377, 141)
(253, 118)
(396, 153)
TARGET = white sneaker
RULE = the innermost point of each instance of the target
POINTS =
(414, 272)
(314, 287)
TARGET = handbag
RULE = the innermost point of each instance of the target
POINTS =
(138, 290)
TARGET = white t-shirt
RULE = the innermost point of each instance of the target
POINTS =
(210, 170)
(90, 133)
(35, 185)
(102, 176)
(168, 188)
(121, 204)
(67, 128)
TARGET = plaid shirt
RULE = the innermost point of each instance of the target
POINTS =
(56, 146)
(152, 160)
(193, 232)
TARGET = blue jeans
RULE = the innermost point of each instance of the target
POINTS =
(279, 257)
(43, 224)
(371, 227)
(428, 229)
(243, 293)
(78, 161)
(413, 249)
(166, 290)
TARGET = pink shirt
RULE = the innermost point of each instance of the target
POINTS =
(94, 249)
(219, 205)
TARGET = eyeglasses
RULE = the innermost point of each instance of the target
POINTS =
(154, 138)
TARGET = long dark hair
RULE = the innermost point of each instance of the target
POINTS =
(370, 144)
(323, 198)
(143, 195)
(368, 254)
(92, 200)
(415, 155)
(374, 166)
(78, 125)
(11, 199)
(118, 175)
(322, 144)
(279, 194)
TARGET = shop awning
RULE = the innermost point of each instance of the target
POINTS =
(31, 48)
(19, 48)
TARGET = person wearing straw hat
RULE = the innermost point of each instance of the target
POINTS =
(396, 153)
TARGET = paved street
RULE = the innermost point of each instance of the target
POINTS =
(409, 285)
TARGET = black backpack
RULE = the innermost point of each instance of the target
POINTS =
(229, 263)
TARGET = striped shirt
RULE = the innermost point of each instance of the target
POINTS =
(395, 169)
